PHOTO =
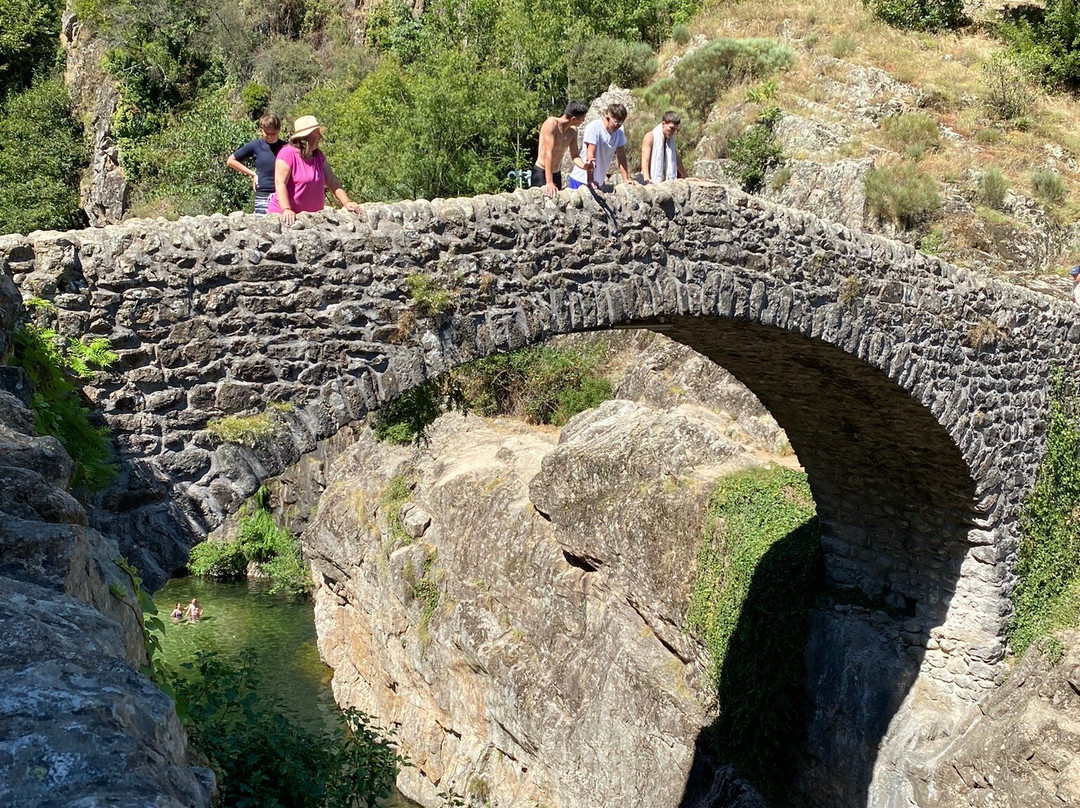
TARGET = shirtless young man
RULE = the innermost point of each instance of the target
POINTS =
(556, 135)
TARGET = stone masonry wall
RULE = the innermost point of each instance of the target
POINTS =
(913, 392)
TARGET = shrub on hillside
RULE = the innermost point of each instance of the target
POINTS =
(755, 151)
(911, 133)
(41, 157)
(701, 77)
(593, 64)
(1045, 41)
(1005, 95)
(902, 194)
(1048, 186)
(919, 15)
(992, 188)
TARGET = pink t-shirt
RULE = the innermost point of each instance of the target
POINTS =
(307, 181)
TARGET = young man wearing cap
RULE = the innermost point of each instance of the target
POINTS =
(604, 137)
(302, 175)
(1075, 273)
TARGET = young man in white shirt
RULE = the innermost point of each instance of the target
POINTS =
(604, 137)
(1074, 273)
(660, 161)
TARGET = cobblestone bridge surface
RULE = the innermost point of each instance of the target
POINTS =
(913, 392)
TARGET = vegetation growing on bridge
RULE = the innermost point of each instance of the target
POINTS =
(758, 573)
(1047, 594)
(544, 385)
(55, 365)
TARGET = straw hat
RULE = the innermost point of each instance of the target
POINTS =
(304, 126)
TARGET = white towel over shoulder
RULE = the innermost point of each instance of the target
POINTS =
(663, 164)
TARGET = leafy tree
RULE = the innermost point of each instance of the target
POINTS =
(919, 15)
(183, 166)
(440, 127)
(1046, 41)
(29, 40)
(41, 156)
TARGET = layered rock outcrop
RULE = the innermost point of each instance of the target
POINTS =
(513, 600)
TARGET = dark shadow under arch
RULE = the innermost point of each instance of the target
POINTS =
(895, 502)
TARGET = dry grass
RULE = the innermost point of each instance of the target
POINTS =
(950, 64)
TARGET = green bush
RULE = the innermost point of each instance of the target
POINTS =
(264, 759)
(992, 188)
(1047, 593)
(544, 385)
(42, 155)
(54, 364)
(912, 133)
(759, 570)
(1045, 41)
(29, 41)
(404, 420)
(681, 34)
(182, 167)
(259, 541)
(701, 77)
(919, 15)
(1006, 95)
(755, 151)
(902, 194)
(256, 98)
(400, 112)
(1048, 186)
(595, 63)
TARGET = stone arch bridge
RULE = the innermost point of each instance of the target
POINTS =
(914, 392)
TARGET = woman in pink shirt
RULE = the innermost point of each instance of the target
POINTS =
(302, 175)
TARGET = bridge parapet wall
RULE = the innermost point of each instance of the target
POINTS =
(914, 392)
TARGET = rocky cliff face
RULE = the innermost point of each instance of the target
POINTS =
(78, 723)
(512, 600)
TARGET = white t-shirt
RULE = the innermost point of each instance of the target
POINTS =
(606, 144)
(1076, 293)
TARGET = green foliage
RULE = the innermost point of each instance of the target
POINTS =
(700, 77)
(398, 491)
(259, 541)
(430, 297)
(912, 133)
(145, 610)
(404, 420)
(755, 151)
(29, 40)
(265, 760)
(41, 156)
(1047, 593)
(1048, 186)
(55, 363)
(256, 98)
(183, 166)
(919, 15)
(400, 111)
(544, 385)
(992, 188)
(843, 46)
(1045, 42)
(681, 34)
(759, 570)
(595, 63)
(1006, 96)
(902, 194)
(247, 430)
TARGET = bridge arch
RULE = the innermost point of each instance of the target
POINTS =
(914, 392)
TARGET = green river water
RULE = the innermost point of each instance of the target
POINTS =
(279, 628)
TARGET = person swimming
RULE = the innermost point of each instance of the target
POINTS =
(178, 613)
(194, 610)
